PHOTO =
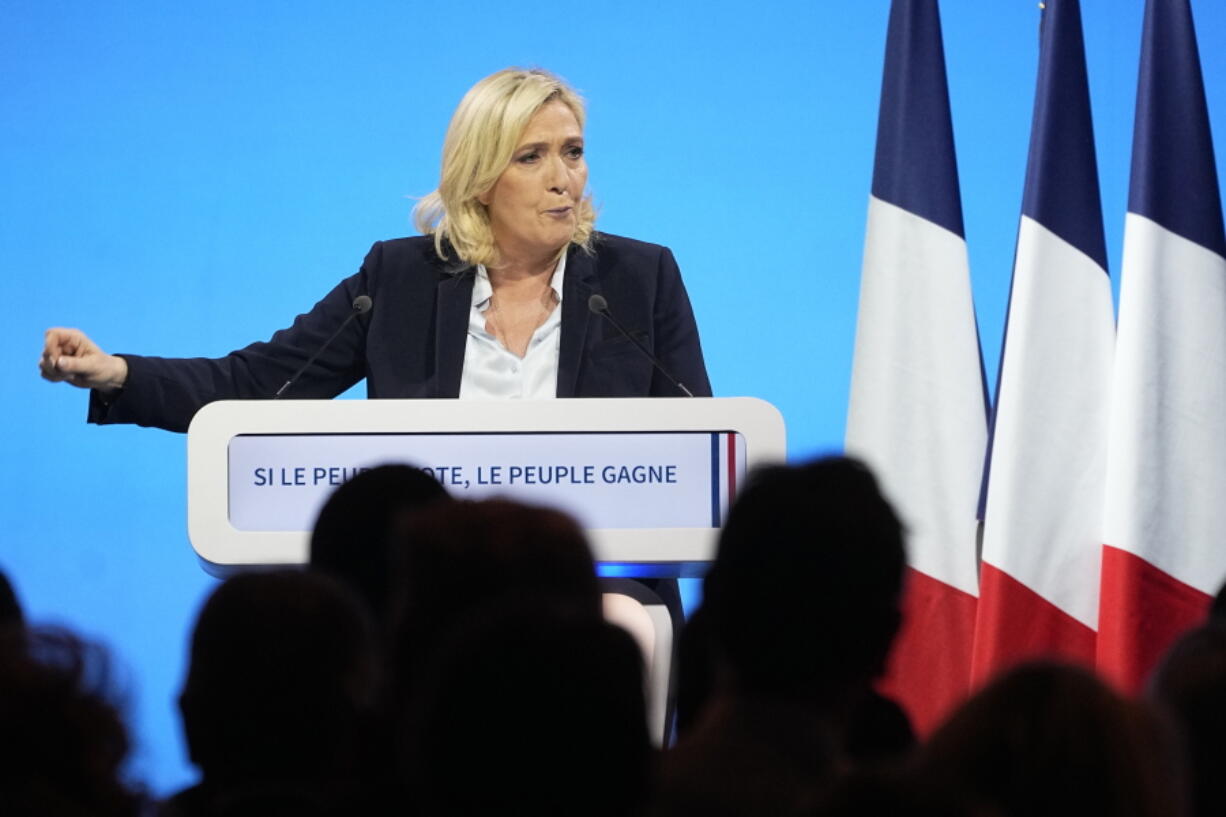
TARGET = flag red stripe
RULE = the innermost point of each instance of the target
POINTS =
(929, 667)
(1014, 623)
(1142, 611)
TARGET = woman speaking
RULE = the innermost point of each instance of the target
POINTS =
(494, 301)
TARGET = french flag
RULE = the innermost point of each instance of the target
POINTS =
(1042, 534)
(917, 412)
(1165, 510)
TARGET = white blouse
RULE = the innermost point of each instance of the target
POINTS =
(491, 371)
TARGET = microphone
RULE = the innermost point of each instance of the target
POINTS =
(598, 305)
(361, 305)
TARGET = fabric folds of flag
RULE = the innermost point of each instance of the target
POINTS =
(1165, 511)
(917, 413)
(1042, 535)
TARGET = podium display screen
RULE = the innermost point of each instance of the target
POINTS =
(649, 479)
(606, 479)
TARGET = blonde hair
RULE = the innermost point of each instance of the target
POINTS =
(481, 139)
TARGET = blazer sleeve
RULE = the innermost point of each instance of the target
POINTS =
(167, 392)
(676, 334)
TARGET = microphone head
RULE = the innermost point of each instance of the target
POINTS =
(362, 304)
(598, 304)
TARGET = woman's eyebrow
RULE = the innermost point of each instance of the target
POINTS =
(569, 140)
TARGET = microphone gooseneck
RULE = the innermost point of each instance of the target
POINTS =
(600, 306)
(360, 306)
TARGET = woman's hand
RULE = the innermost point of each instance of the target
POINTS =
(69, 355)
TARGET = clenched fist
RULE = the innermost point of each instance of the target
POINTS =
(69, 355)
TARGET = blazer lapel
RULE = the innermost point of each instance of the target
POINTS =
(453, 305)
(578, 330)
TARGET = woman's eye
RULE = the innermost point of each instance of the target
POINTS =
(528, 158)
(575, 152)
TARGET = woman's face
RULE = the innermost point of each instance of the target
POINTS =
(532, 206)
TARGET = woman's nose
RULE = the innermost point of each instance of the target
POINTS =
(558, 179)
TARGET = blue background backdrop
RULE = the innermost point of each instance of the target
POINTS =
(181, 179)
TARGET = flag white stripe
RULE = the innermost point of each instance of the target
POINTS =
(1043, 518)
(916, 412)
(1167, 456)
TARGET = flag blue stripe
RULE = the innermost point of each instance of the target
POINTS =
(1062, 190)
(1174, 176)
(915, 166)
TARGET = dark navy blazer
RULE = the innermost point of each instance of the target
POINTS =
(411, 343)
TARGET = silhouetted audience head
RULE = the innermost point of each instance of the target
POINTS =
(532, 709)
(358, 524)
(63, 743)
(282, 670)
(697, 672)
(877, 732)
(464, 555)
(1055, 740)
(1217, 609)
(804, 591)
(1190, 684)
(10, 608)
(896, 793)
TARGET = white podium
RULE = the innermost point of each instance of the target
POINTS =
(649, 479)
